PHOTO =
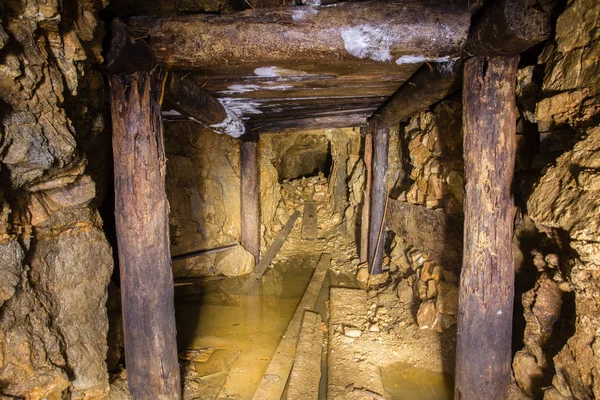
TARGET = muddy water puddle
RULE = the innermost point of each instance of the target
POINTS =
(402, 381)
(226, 341)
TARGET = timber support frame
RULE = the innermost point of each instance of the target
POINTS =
(379, 194)
(250, 195)
(486, 294)
(142, 224)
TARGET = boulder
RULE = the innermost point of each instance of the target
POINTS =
(427, 314)
(234, 262)
(447, 299)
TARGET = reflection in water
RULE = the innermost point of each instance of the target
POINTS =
(405, 382)
(240, 332)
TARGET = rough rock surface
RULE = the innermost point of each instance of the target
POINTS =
(433, 158)
(55, 260)
(564, 202)
(425, 285)
(567, 199)
(203, 188)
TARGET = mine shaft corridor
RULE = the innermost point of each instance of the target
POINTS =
(299, 199)
(318, 203)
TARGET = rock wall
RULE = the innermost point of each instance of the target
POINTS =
(557, 192)
(203, 188)
(429, 152)
(55, 262)
(338, 191)
(565, 200)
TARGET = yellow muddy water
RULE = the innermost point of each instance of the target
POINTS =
(236, 336)
(242, 332)
(405, 382)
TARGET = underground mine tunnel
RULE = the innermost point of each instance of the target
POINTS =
(307, 199)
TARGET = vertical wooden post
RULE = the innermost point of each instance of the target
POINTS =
(483, 351)
(364, 227)
(381, 141)
(250, 203)
(141, 216)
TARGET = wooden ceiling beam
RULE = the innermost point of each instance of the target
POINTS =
(407, 31)
(186, 96)
(329, 122)
(508, 27)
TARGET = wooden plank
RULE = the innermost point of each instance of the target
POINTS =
(364, 227)
(508, 27)
(268, 257)
(427, 86)
(187, 96)
(485, 305)
(320, 35)
(142, 224)
(278, 371)
(310, 228)
(342, 121)
(379, 193)
(440, 235)
(306, 372)
(250, 197)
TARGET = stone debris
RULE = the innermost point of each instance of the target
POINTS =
(422, 280)
(436, 175)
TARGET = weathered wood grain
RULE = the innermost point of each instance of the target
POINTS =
(320, 35)
(485, 309)
(187, 96)
(276, 376)
(250, 197)
(366, 208)
(438, 234)
(508, 27)
(310, 228)
(306, 371)
(142, 224)
(379, 193)
(253, 278)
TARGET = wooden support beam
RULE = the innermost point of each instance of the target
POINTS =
(185, 95)
(250, 197)
(366, 208)
(485, 308)
(337, 121)
(508, 27)
(276, 376)
(306, 372)
(381, 32)
(142, 223)
(430, 84)
(125, 55)
(253, 278)
(379, 193)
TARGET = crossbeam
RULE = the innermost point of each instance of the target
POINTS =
(185, 95)
(508, 27)
(396, 32)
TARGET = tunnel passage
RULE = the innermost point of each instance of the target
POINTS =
(307, 156)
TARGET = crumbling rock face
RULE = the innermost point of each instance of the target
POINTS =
(55, 262)
(338, 196)
(566, 198)
(434, 153)
(564, 201)
(432, 289)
